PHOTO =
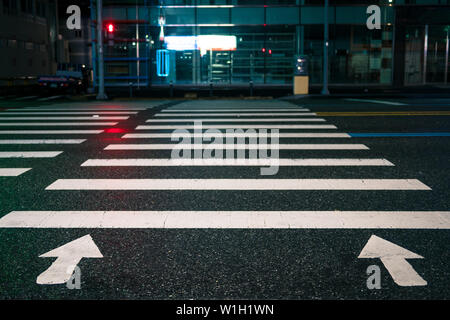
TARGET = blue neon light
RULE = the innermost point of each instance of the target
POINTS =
(162, 63)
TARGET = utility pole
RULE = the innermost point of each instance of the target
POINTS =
(325, 50)
(101, 76)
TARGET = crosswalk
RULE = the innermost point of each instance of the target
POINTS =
(29, 154)
(42, 141)
(146, 140)
(34, 98)
(244, 126)
(97, 116)
(291, 146)
(228, 219)
(12, 172)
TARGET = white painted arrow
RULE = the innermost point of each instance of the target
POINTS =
(68, 256)
(394, 258)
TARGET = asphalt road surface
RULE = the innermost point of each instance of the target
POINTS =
(359, 183)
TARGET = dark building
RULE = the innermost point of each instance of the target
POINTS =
(27, 39)
(78, 42)
(34, 40)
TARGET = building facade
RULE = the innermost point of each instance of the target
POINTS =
(27, 38)
(34, 40)
(233, 42)
(78, 41)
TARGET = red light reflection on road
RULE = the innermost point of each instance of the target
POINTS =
(110, 107)
(115, 130)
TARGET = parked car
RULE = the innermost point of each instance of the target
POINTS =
(62, 81)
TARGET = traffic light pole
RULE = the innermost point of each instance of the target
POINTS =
(101, 75)
(325, 50)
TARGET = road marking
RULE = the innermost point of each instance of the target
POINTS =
(29, 154)
(10, 111)
(96, 108)
(393, 258)
(234, 114)
(51, 124)
(236, 110)
(237, 184)
(64, 118)
(239, 126)
(378, 101)
(233, 135)
(50, 131)
(236, 146)
(229, 219)
(241, 120)
(234, 162)
(50, 98)
(400, 134)
(12, 172)
(43, 141)
(68, 256)
(383, 114)
(25, 98)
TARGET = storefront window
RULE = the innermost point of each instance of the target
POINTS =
(266, 40)
(360, 55)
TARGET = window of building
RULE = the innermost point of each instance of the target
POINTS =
(40, 9)
(356, 55)
(10, 7)
(26, 6)
(29, 45)
(346, 2)
(5, 6)
(12, 43)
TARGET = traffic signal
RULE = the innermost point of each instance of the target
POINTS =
(110, 28)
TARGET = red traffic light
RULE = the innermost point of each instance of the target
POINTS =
(110, 28)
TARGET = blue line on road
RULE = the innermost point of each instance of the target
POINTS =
(402, 134)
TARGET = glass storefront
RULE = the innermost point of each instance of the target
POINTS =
(267, 35)
(262, 55)
(427, 54)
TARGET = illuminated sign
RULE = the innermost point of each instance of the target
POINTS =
(202, 42)
(181, 43)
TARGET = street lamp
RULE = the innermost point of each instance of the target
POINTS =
(325, 51)
(101, 72)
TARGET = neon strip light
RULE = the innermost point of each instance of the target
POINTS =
(202, 42)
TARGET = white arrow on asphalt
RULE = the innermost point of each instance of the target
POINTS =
(68, 256)
(394, 258)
